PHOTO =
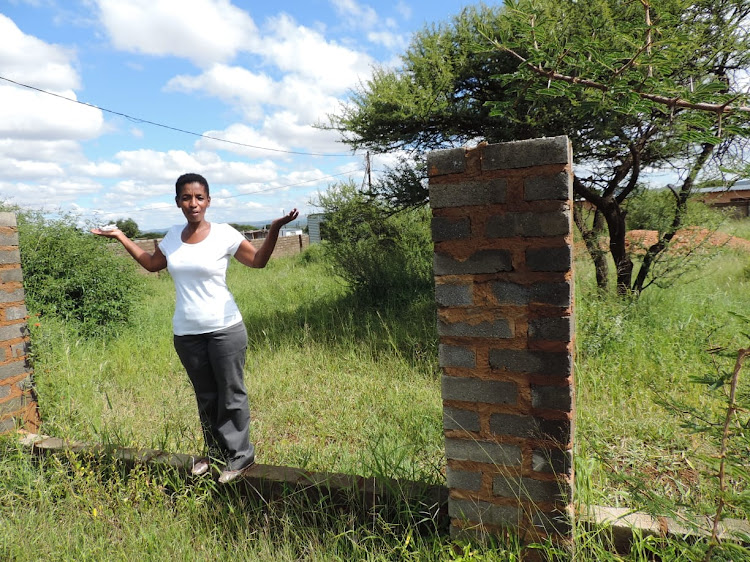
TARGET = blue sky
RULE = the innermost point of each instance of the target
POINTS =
(255, 73)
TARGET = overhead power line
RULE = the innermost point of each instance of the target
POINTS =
(155, 124)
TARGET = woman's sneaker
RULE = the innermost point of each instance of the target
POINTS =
(200, 467)
(229, 475)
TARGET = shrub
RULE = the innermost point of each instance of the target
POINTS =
(653, 209)
(380, 252)
(74, 276)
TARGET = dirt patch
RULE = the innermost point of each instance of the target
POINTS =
(689, 238)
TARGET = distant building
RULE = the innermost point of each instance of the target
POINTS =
(262, 233)
(255, 234)
(313, 227)
(737, 197)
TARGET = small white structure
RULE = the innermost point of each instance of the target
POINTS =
(313, 227)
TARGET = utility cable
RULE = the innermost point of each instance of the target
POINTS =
(155, 124)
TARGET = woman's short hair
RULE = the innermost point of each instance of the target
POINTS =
(189, 178)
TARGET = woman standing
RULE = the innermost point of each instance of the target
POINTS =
(209, 334)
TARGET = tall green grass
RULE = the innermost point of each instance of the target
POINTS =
(333, 385)
(635, 356)
(340, 386)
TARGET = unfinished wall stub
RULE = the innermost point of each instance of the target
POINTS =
(502, 229)
(18, 406)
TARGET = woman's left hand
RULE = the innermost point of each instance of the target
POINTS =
(289, 217)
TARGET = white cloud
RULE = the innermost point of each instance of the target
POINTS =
(29, 60)
(286, 128)
(302, 51)
(392, 41)
(354, 14)
(237, 86)
(49, 193)
(41, 150)
(250, 143)
(204, 31)
(28, 169)
(404, 9)
(26, 114)
(251, 93)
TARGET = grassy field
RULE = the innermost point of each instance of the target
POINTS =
(333, 386)
(338, 386)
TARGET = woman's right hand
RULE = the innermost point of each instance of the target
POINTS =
(114, 233)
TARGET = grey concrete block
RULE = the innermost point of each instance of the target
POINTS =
(456, 356)
(9, 239)
(14, 275)
(463, 480)
(472, 389)
(18, 350)
(13, 406)
(529, 225)
(444, 228)
(552, 461)
(526, 153)
(549, 259)
(448, 161)
(8, 257)
(13, 369)
(12, 332)
(15, 313)
(530, 427)
(533, 362)
(483, 261)
(453, 295)
(8, 219)
(5, 391)
(541, 188)
(498, 329)
(466, 420)
(484, 512)
(528, 489)
(552, 397)
(468, 193)
(555, 294)
(499, 454)
(8, 424)
(555, 522)
(510, 424)
(552, 329)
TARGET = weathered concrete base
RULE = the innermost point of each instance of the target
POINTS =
(622, 523)
(268, 482)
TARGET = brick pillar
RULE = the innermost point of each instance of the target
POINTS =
(502, 230)
(17, 403)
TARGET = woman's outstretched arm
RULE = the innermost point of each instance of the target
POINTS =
(150, 262)
(247, 255)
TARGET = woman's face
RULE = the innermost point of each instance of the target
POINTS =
(193, 201)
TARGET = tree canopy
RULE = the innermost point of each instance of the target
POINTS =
(637, 87)
(128, 226)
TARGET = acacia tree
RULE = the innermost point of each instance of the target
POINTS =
(635, 87)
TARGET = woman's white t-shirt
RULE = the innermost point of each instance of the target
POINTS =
(204, 303)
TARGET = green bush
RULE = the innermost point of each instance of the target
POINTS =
(381, 253)
(71, 274)
(653, 209)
